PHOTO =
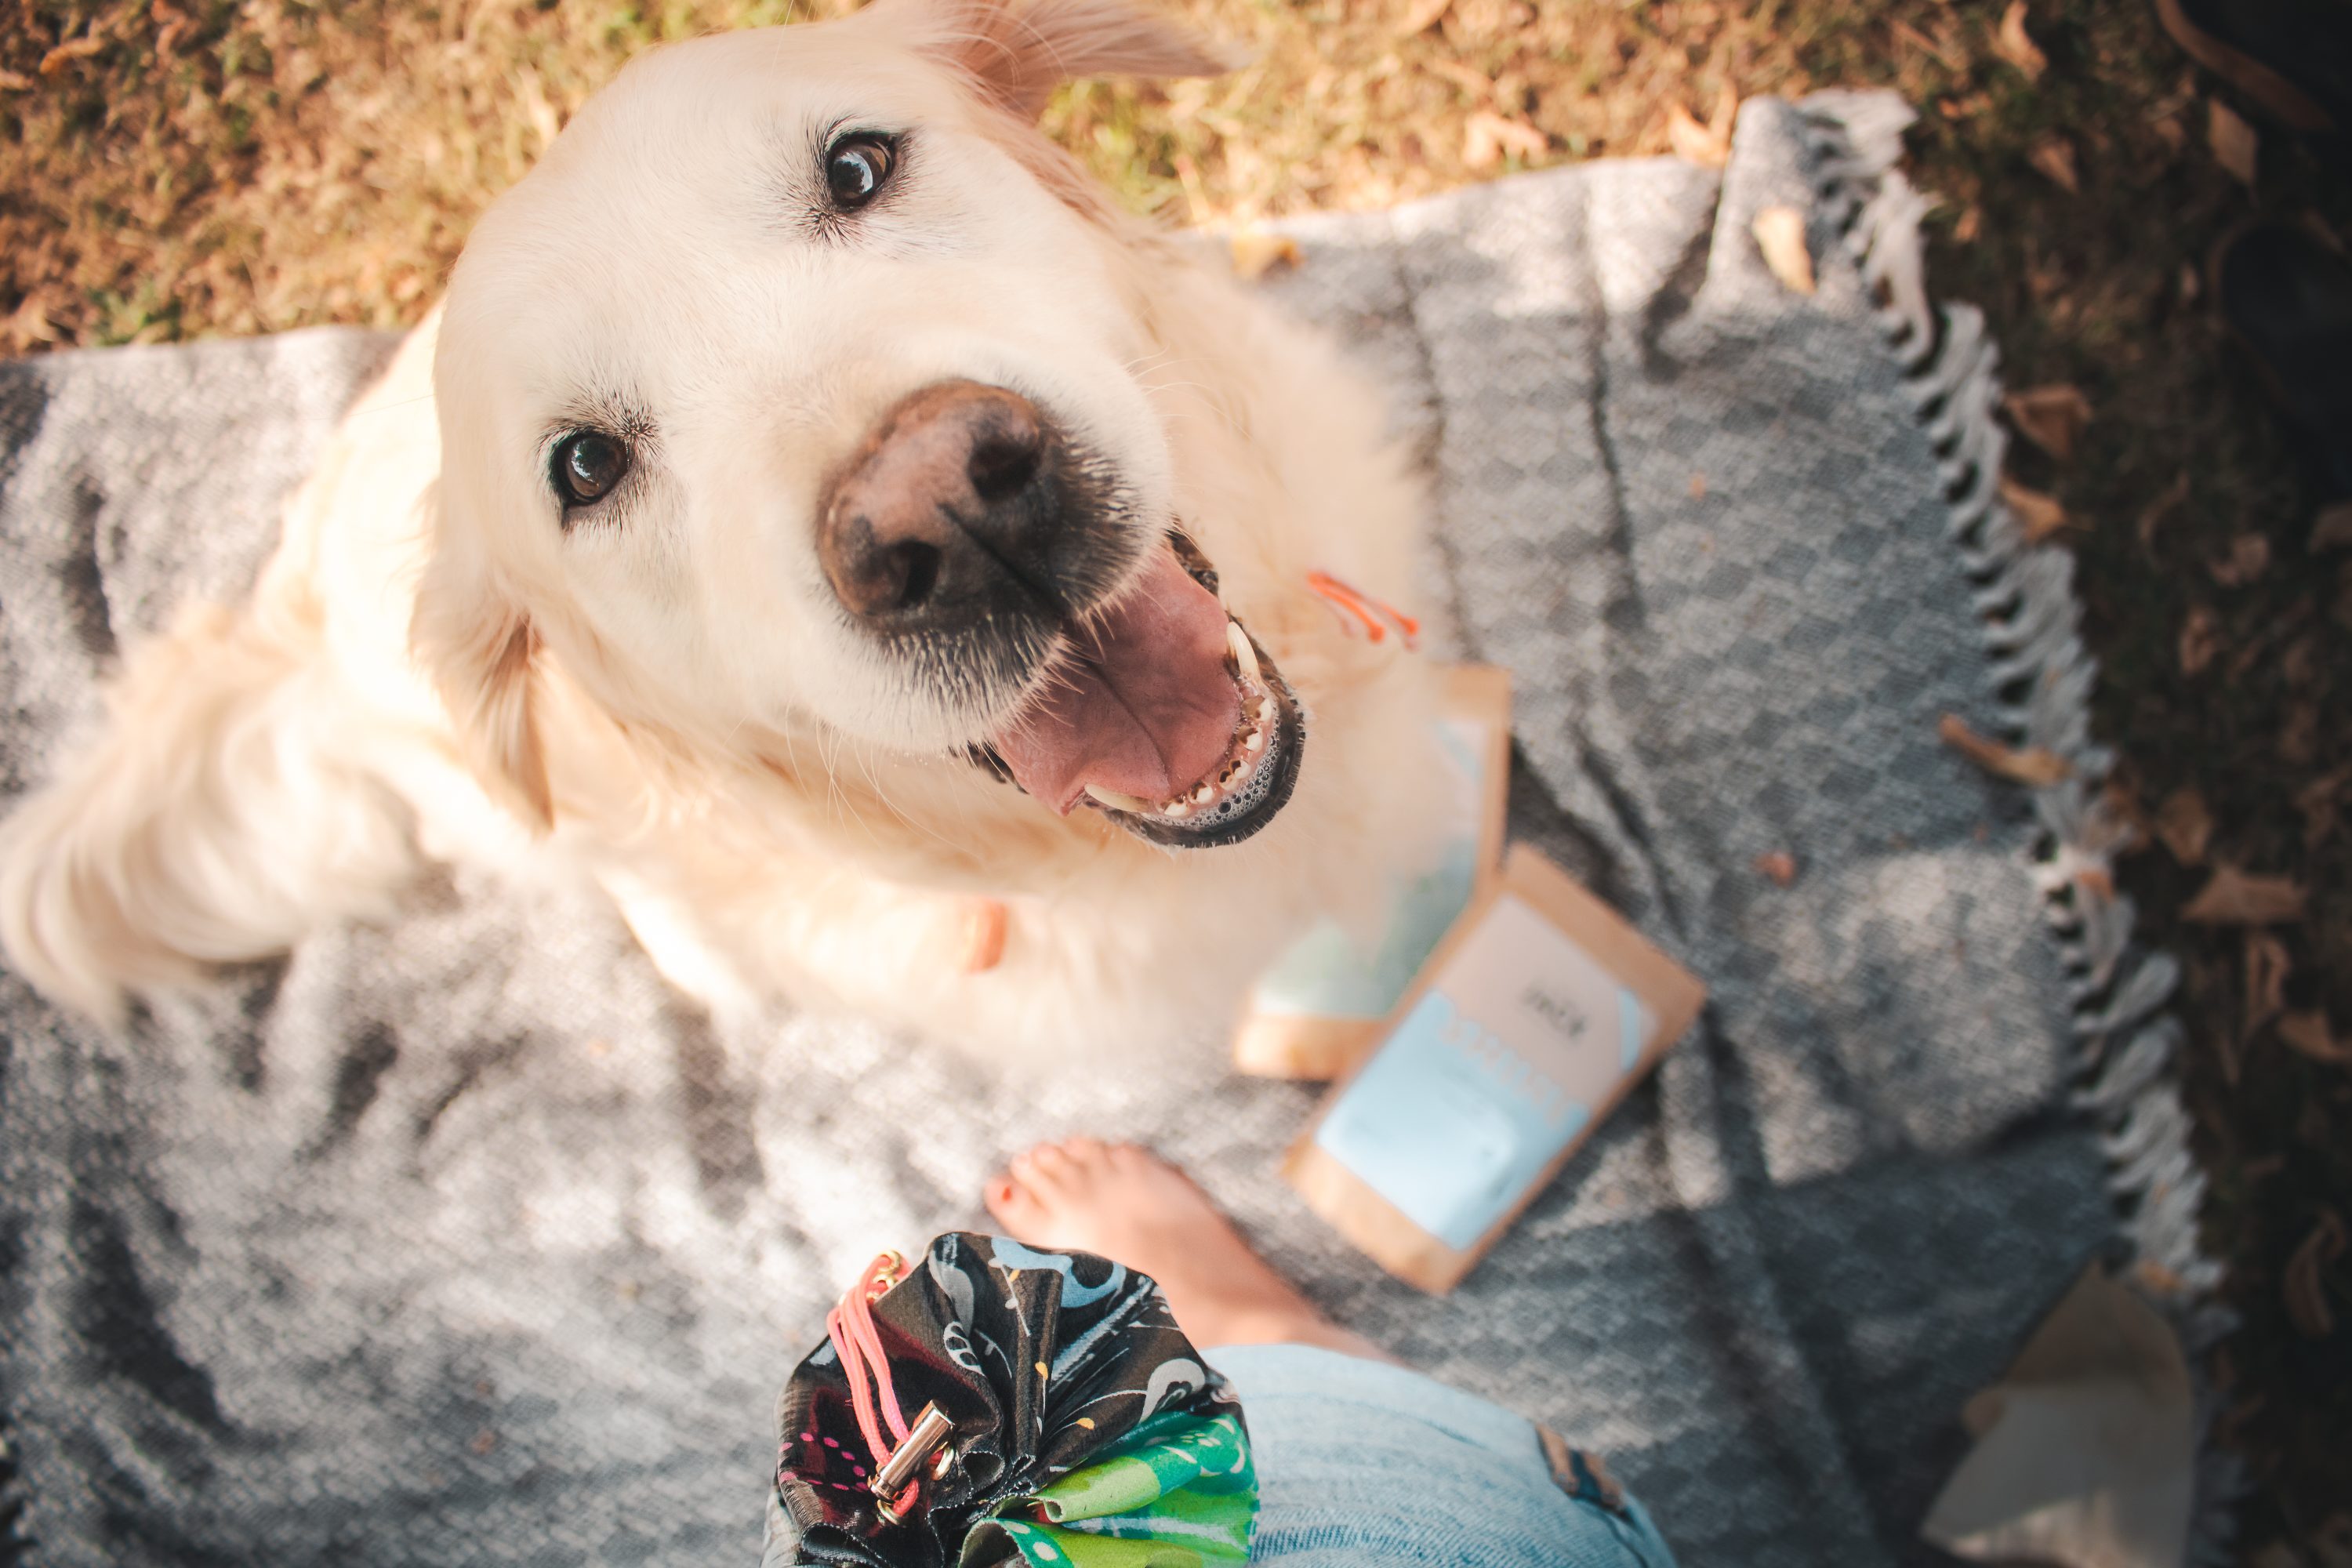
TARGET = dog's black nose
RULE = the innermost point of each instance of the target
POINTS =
(950, 510)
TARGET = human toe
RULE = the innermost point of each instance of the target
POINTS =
(1015, 1206)
(1048, 1171)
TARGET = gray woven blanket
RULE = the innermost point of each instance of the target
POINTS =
(458, 1240)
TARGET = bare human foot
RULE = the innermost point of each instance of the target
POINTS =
(1127, 1203)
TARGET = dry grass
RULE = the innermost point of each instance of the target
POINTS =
(242, 168)
(233, 168)
(174, 170)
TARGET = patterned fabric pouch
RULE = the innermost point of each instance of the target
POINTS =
(991, 1406)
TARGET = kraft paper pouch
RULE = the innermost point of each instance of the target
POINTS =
(1317, 1011)
(1536, 1015)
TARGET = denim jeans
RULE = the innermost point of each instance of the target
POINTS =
(1361, 1463)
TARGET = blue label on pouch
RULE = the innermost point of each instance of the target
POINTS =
(1494, 1071)
(1325, 973)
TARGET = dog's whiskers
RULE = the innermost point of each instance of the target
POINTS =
(882, 795)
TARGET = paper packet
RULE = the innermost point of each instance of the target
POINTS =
(1319, 1007)
(1538, 1013)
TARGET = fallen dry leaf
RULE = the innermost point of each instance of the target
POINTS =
(2035, 767)
(2233, 141)
(2248, 558)
(2038, 515)
(1425, 16)
(2013, 44)
(2052, 417)
(1968, 225)
(2304, 1282)
(1778, 865)
(2175, 496)
(2235, 897)
(14, 81)
(2317, 802)
(2231, 1052)
(29, 322)
(1780, 236)
(2096, 880)
(2134, 832)
(2200, 639)
(2055, 160)
(1258, 251)
(1948, 51)
(1698, 487)
(1694, 143)
(2173, 135)
(72, 49)
(2332, 529)
(2309, 1034)
(1478, 85)
(2157, 1278)
(2300, 663)
(2267, 967)
(1487, 136)
(2298, 738)
(2185, 825)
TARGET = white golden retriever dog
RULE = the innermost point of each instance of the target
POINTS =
(817, 515)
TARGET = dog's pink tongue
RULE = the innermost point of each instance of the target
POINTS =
(1146, 707)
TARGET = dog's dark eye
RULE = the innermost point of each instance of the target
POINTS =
(587, 467)
(856, 167)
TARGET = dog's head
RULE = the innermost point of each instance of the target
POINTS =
(797, 389)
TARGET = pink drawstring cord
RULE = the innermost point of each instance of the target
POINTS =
(859, 1344)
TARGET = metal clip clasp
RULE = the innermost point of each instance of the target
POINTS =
(885, 1273)
(929, 1430)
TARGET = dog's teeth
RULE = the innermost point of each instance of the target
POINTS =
(1244, 655)
(1252, 741)
(1261, 710)
(1176, 809)
(1117, 801)
(1203, 794)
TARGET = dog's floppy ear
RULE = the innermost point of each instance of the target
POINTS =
(477, 646)
(1016, 54)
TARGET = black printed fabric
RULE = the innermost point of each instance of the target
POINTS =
(1043, 1361)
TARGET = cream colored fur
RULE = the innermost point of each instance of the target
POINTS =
(431, 667)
